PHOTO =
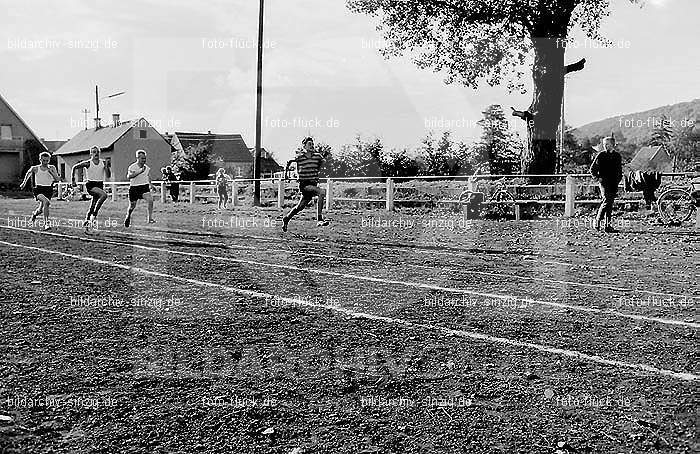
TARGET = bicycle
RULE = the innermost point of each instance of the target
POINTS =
(677, 204)
(502, 201)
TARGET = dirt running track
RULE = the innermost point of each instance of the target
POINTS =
(382, 333)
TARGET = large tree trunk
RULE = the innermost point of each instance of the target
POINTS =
(544, 112)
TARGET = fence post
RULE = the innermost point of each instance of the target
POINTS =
(234, 192)
(192, 192)
(162, 192)
(59, 191)
(329, 194)
(389, 194)
(114, 192)
(280, 193)
(570, 196)
(517, 211)
(697, 219)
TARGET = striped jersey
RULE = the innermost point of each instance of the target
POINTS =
(308, 167)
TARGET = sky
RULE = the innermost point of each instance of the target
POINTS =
(189, 65)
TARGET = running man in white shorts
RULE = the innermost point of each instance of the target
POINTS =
(97, 171)
(140, 186)
(45, 175)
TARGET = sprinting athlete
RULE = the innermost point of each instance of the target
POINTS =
(309, 162)
(45, 175)
(222, 187)
(140, 186)
(97, 171)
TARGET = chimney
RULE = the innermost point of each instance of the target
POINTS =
(115, 119)
(97, 123)
(208, 132)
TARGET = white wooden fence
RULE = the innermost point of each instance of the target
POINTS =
(273, 190)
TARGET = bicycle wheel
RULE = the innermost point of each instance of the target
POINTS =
(675, 206)
(503, 204)
(465, 197)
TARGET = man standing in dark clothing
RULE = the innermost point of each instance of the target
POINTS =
(607, 169)
(173, 181)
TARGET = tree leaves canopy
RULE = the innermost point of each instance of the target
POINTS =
(475, 41)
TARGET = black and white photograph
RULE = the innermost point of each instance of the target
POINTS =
(349, 226)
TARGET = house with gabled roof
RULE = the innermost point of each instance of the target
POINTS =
(652, 159)
(119, 142)
(14, 133)
(229, 152)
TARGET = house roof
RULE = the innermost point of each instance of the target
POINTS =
(14, 112)
(230, 147)
(651, 158)
(103, 137)
(53, 145)
(267, 161)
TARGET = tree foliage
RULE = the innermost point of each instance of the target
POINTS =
(662, 133)
(499, 148)
(472, 42)
(685, 147)
(194, 163)
(32, 148)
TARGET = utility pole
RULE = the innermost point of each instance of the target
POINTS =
(258, 110)
(97, 106)
(561, 130)
(97, 109)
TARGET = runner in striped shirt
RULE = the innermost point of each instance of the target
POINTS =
(309, 162)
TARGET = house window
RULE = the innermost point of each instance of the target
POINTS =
(6, 132)
(63, 170)
(142, 134)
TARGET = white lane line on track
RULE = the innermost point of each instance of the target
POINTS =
(410, 265)
(461, 333)
(421, 249)
(431, 251)
(349, 276)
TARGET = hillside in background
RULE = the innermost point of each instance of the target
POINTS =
(637, 127)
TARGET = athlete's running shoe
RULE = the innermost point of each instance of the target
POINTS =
(151, 221)
(47, 227)
(322, 223)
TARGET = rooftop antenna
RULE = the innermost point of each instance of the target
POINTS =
(97, 104)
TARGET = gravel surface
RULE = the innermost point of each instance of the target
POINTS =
(160, 346)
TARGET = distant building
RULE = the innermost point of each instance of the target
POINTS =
(268, 165)
(118, 141)
(652, 159)
(14, 132)
(229, 152)
(53, 145)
